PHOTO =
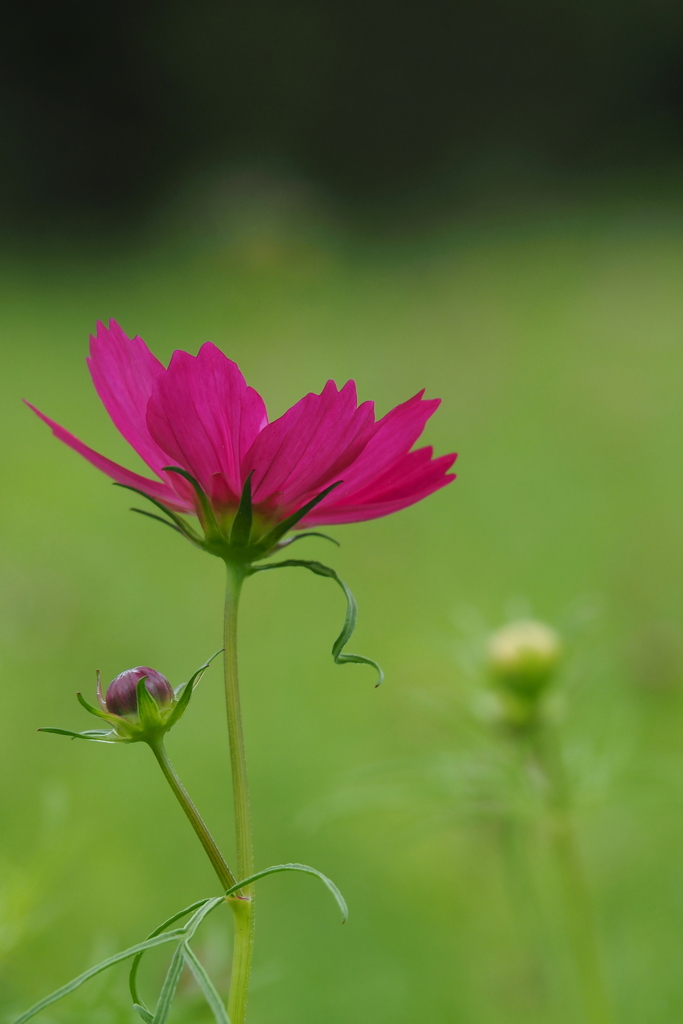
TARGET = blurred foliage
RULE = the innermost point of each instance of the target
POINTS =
(104, 111)
(554, 342)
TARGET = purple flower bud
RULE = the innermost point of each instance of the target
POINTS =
(122, 697)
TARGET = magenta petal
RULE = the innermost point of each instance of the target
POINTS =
(204, 417)
(154, 488)
(415, 477)
(123, 371)
(313, 443)
(394, 436)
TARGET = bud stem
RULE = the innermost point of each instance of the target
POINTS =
(580, 920)
(224, 873)
(243, 908)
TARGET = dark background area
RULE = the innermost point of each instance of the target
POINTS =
(104, 109)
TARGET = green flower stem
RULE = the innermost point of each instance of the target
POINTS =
(243, 907)
(224, 873)
(580, 920)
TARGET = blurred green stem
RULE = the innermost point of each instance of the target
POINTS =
(205, 838)
(243, 906)
(579, 911)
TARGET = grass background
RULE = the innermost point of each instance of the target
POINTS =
(554, 338)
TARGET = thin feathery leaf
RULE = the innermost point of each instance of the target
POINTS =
(276, 868)
(133, 976)
(71, 986)
(351, 611)
(199, 911)
(209, 991)
(169, 987)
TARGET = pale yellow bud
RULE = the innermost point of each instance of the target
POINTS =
(523, 655)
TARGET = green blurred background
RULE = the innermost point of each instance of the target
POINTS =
(482, 201)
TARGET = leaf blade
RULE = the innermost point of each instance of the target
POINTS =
(170, 986)
(306, 869)
(319, 569)
(75, 983)
(208, 989)
(132, 977)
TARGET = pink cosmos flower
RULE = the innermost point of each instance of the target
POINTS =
(200, 415)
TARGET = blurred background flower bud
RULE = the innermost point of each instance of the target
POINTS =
(122, 698)
(522, 658)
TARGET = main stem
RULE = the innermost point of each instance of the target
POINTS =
(580, 920)
(243, 906)
(206, 839)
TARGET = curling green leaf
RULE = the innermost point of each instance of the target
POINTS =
(341, 902)
(208, 988)
(351, 611)
(241, 527)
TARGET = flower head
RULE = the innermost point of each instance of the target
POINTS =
(140, 705)
(523, 655)
(122, 693)
(523, 658)
(206, 437)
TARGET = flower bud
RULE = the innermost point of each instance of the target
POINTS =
(122, 698)
(523, 656)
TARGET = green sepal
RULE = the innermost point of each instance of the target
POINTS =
(96, 735)
(179, 522)
(211, 527)
(351, 611)
(302, 536)
(184, 692)
(241, 526)
(159, 519)
(268, 542)
(97, 711)
(148, 710)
